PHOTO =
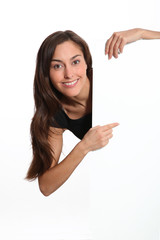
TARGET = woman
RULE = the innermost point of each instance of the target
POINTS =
(63, 100)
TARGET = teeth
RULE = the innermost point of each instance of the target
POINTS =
(71, 83)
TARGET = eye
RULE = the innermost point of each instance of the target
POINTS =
(58, 66)
(76, 62)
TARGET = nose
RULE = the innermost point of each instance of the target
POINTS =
(68, 74)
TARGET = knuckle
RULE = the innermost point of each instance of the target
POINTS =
(98, 133)
(104, 143)
(109, 131)
(107, 43)
(116, 45)
(115, 49)
(110, 135)
(106, 127)
(115, 34)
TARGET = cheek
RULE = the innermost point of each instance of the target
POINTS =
(55, 77)
(82, 70)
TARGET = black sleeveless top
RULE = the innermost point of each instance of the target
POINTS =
(79, 127)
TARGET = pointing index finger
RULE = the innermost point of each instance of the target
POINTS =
(112, 125)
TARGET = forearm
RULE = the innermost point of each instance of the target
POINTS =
(52, 179)
(148, 34)
(96, 138)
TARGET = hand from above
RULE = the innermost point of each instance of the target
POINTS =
(118, 40)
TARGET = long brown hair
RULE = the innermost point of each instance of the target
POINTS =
(47, 100)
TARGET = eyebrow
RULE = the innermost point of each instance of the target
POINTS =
(57, 60)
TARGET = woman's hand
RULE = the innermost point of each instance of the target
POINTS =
(118, 40)
(98, 137)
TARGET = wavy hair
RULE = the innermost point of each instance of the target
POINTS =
(47, 100)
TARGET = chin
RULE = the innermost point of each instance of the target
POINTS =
(71, 94)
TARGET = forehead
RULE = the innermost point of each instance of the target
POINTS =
(67, 50)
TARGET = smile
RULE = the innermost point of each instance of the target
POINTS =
(71, 84)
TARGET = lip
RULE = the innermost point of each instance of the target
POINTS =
(70, 84)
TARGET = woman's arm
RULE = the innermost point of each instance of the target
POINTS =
(118, 40)
(52, 179)
(95, 138)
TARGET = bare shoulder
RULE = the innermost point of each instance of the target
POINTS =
(55, 138)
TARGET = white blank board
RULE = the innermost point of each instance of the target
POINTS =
(125, 189)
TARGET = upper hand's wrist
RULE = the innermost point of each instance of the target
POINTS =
(141, 33)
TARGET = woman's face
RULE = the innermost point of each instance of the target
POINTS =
(68, 69)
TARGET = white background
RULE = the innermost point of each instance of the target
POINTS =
(114, 193)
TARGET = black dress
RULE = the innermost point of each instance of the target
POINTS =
(79, 127)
